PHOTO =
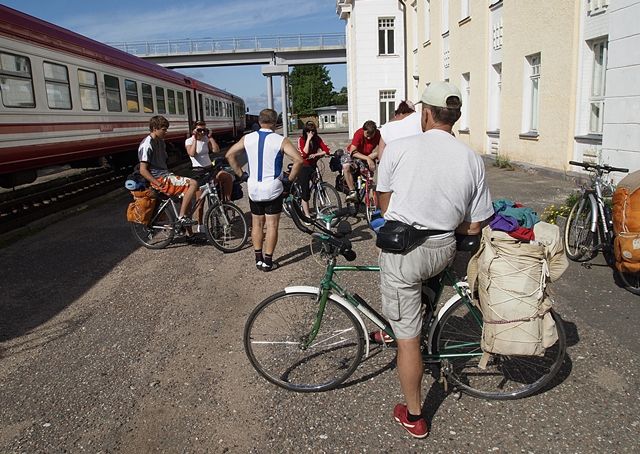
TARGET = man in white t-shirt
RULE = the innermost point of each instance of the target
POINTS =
(434, 182)
(265, 152)
(198, 146)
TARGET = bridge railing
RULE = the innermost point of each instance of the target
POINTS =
(231, 45)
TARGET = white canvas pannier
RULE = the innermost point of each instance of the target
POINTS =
(508, 279)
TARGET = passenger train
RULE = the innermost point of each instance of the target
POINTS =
(66, 99)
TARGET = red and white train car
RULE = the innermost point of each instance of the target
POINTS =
(66, 98)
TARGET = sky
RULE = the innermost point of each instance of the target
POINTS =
(149, 20)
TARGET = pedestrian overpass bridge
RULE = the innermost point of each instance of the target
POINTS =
(275, 53)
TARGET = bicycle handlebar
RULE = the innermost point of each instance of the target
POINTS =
(597, 167)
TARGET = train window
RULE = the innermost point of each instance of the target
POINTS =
(207, 107)
(180, 102)
(16, 82)
(217, 108)
(131, 92)
(160, 100)
(88, 90)
(56, 81)
(171, 101)
(147, 98)
(112, 90)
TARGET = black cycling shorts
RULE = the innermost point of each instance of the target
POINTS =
(268, 207)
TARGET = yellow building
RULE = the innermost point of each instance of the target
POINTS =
(529, 73)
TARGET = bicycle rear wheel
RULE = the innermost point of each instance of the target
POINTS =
(276, 330)
(226, 227)
(631, 281)
(326, 199)
(505, 377)
(370, 202)
(159, 233)
(578, 237)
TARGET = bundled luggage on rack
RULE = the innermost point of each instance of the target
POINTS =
(626, 223)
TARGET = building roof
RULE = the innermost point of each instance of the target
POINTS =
(341, 107)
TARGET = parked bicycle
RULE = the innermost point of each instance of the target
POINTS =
(365, 188)
(226, 226)
(324, 197)
(310, 339)
(589, 227)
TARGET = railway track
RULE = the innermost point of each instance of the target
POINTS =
(18, 208)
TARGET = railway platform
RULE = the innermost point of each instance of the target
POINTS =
(109, 347)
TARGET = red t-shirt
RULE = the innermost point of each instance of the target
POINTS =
(364, 145)
(310, 162)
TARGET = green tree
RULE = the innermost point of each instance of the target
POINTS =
(310, 86)
(340, 98)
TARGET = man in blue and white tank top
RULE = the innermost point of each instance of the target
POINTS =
(265, 154)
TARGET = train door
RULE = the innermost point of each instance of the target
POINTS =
(200, 107)
(190, 109)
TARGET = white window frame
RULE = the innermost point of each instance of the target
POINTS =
(414, 28)
(531, 95)
(387, 105)
(465, 10)
(386, 36)
(427, 20)
(444, 17)
(465, 91)
(599, 50)
(596, 6)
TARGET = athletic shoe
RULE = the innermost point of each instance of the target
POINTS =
(259, 264)
(380, 337)
(185, 221)
(352, 196)
(416, 429)
(267, 268)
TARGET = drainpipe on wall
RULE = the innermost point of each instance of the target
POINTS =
(403, 6)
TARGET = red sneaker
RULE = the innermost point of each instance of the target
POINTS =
(416, 429)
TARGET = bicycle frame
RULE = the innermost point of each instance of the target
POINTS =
(357, 305)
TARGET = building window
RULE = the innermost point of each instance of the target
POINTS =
(160, 100)
(445, 17)
(171, 102)
(147, 98)
(16, 81)
(427, 20)
(596, 6)
(88, 83)
(414, 31)
(112, 90)
(56, 81)
(386, 36)
(496, 35)
(596, 101)
(131, 92)
(494, 97)
(387, 105)
(465, 89)
(532, 93)
(464, 9)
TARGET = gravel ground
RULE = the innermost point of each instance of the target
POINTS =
(109, 347)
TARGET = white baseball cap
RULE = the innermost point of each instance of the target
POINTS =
(437, 93)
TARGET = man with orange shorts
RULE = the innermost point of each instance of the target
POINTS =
(152, 154)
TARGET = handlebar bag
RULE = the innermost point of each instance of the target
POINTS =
(141, 209)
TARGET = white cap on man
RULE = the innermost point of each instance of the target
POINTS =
(437, 93)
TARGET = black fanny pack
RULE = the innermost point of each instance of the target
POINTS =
(397, 237)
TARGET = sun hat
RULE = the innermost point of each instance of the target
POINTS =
(437, 93)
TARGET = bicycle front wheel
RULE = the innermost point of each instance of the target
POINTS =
(326, 199)
(226, 227)
(370, 202)
(631, 281)
(277, 329)
(505, 377)
(578, 237)
(159, 233)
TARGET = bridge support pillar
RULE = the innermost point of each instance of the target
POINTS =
(283, 72)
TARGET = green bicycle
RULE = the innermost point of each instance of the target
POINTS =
(310, 339)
